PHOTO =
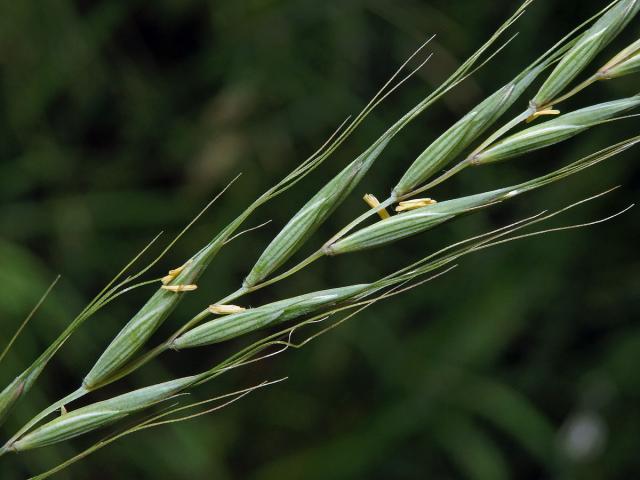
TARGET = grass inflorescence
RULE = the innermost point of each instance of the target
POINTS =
(463, 144)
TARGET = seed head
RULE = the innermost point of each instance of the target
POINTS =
(309, 218)
(150, 316)
(99, 414)
(459, 136)
(429, 216)
(234, 325)
(553, 131)
(598, 36)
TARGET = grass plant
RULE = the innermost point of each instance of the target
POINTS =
(480, 137)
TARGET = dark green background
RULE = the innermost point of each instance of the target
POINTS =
(120, 119)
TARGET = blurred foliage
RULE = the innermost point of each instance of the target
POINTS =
(121, 119)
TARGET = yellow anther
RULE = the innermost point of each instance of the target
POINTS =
(173, 274)
(225, 309)
(179, 288)
(546, 111)
(373, 202)
(63, 410)
(176, 271)
(413, 204)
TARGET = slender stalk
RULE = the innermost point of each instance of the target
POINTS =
(577, 89)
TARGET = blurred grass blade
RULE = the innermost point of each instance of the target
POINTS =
(478, 457)
(511, 412)
(25, 322)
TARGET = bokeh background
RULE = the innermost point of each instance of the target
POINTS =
(121, 119)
